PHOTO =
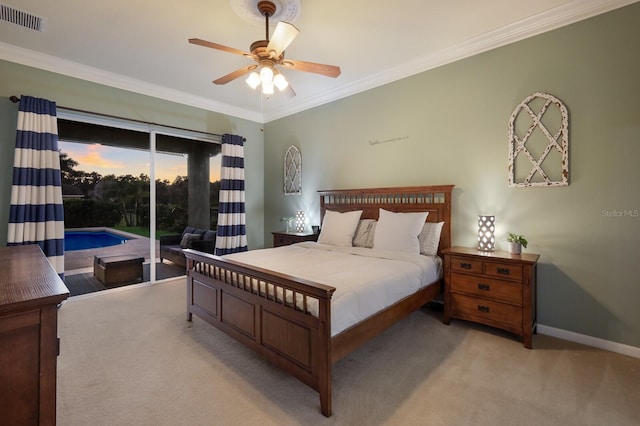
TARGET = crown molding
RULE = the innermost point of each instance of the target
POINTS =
(83, 72)
(551, 19)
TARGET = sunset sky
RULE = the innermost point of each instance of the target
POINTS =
(108, 160)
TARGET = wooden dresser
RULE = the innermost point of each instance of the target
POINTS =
(492, 288)
(286, 238)
(30, 292)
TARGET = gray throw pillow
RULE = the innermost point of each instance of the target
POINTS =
(187, 239)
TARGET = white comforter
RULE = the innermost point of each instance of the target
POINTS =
(366, 280)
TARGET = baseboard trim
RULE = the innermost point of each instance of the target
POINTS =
(589, 341)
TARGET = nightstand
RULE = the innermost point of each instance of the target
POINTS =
(286, 238)
(492, 288)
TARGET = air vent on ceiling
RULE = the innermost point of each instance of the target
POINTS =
(22, 18)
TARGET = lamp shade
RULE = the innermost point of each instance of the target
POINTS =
(267, 88)
(486, 232)
(282, 38)
(266, 75)
(253, 80)
(300, 221)
(280, 82)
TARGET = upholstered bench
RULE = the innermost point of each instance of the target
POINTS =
(119, 269)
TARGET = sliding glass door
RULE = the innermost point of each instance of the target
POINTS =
(142, 181)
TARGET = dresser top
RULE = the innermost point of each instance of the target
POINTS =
(28, 279)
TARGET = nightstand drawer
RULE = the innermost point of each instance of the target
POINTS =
(280, 240)
(286, 238)
(466, 265)
(506, 291)
(467, 306)
(503, 270)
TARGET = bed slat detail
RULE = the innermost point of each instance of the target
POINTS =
(277, 293)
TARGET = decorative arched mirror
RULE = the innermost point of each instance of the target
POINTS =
(292, 171)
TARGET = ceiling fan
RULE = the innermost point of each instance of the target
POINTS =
(269, 53)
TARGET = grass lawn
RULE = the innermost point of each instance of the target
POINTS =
(144, 232)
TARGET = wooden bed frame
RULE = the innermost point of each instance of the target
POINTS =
(224, 293)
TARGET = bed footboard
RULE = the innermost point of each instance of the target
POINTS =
(285, 319)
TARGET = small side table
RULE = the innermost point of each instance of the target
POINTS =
(493, 288)
(286, 238)
(118, 269)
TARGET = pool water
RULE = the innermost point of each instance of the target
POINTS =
(82, 240)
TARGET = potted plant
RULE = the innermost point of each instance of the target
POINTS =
(516, 243)
(289, 222)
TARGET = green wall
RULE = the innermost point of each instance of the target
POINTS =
(78, 94)
(451, 128)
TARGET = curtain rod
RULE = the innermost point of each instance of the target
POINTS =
(16, 99)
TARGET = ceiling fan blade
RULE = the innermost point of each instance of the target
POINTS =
(217, 46)
(282, 38)
(328, 70)
(236, 74)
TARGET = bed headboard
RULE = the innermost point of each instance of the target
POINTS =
(434, 199)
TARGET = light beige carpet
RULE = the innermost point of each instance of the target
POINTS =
(129, 357)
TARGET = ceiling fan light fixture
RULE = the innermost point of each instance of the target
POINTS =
(280, 82)
(268, 80)
(266, 75)
(267, 88)
(253, 80)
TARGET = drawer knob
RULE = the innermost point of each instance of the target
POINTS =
(484, 287)
(503, 271)
(484, 309)
(465, 265)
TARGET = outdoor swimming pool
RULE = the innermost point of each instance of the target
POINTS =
(82, 240)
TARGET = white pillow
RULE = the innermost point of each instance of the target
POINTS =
(338, 228)
(399, 231)
(364, 233)
(430, 238)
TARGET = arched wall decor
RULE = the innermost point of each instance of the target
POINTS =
(292, 171)
(539, 142)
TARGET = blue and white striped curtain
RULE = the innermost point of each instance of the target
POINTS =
(37, 215)
(232, 232)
